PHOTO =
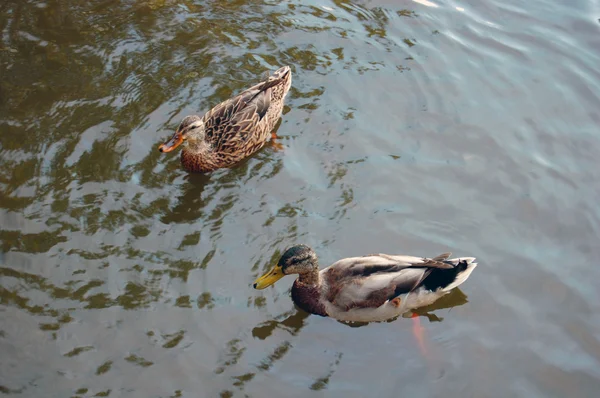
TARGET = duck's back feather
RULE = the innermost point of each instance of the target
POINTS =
(233, 122)
(371, 281)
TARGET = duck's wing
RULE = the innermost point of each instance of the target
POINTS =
(231, 122)
(370, 281)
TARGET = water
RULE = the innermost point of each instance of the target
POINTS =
(412, 127)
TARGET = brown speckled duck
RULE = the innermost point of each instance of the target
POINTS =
(234, 129)
(375, 287)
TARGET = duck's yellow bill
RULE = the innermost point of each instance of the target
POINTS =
(269, 278)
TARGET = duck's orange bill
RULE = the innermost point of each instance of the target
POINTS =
(173, 143)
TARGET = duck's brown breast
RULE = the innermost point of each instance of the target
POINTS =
(198, 162)
(308, 298)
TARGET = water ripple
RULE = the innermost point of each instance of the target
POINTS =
(417, 127)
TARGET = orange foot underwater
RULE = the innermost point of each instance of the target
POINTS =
(419, 334)
(274, 143)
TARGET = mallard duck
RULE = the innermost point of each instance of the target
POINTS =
(375, 287)
(234, 129)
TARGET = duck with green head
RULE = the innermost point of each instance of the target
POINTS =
(375, 287)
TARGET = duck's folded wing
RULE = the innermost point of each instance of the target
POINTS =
(370, 281)
(235, 118)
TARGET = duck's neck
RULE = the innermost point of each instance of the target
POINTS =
(306, 293)
(310, 278)
(197, 146)
(197, 156)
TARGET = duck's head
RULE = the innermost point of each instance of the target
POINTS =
(191, 128)
(299, 259)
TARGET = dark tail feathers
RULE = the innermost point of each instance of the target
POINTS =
(441, 278)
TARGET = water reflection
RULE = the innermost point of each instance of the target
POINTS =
(190, 204)
(453, 299)
(322, 382)
(292, 324)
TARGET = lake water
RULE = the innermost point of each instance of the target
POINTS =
(412, 127)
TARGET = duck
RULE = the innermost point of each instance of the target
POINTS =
(234, 129)
(375, 287)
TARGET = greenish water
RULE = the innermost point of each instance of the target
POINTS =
(412, 127)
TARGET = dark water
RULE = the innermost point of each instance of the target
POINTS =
(469, 127)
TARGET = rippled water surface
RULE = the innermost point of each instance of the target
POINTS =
(413, 127)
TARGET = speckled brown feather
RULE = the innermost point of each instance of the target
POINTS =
(239, 126)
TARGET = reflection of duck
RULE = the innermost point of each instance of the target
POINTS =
(453, 299)
(234, 129)
(190, 204)
(293, 323)
(370, 288)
